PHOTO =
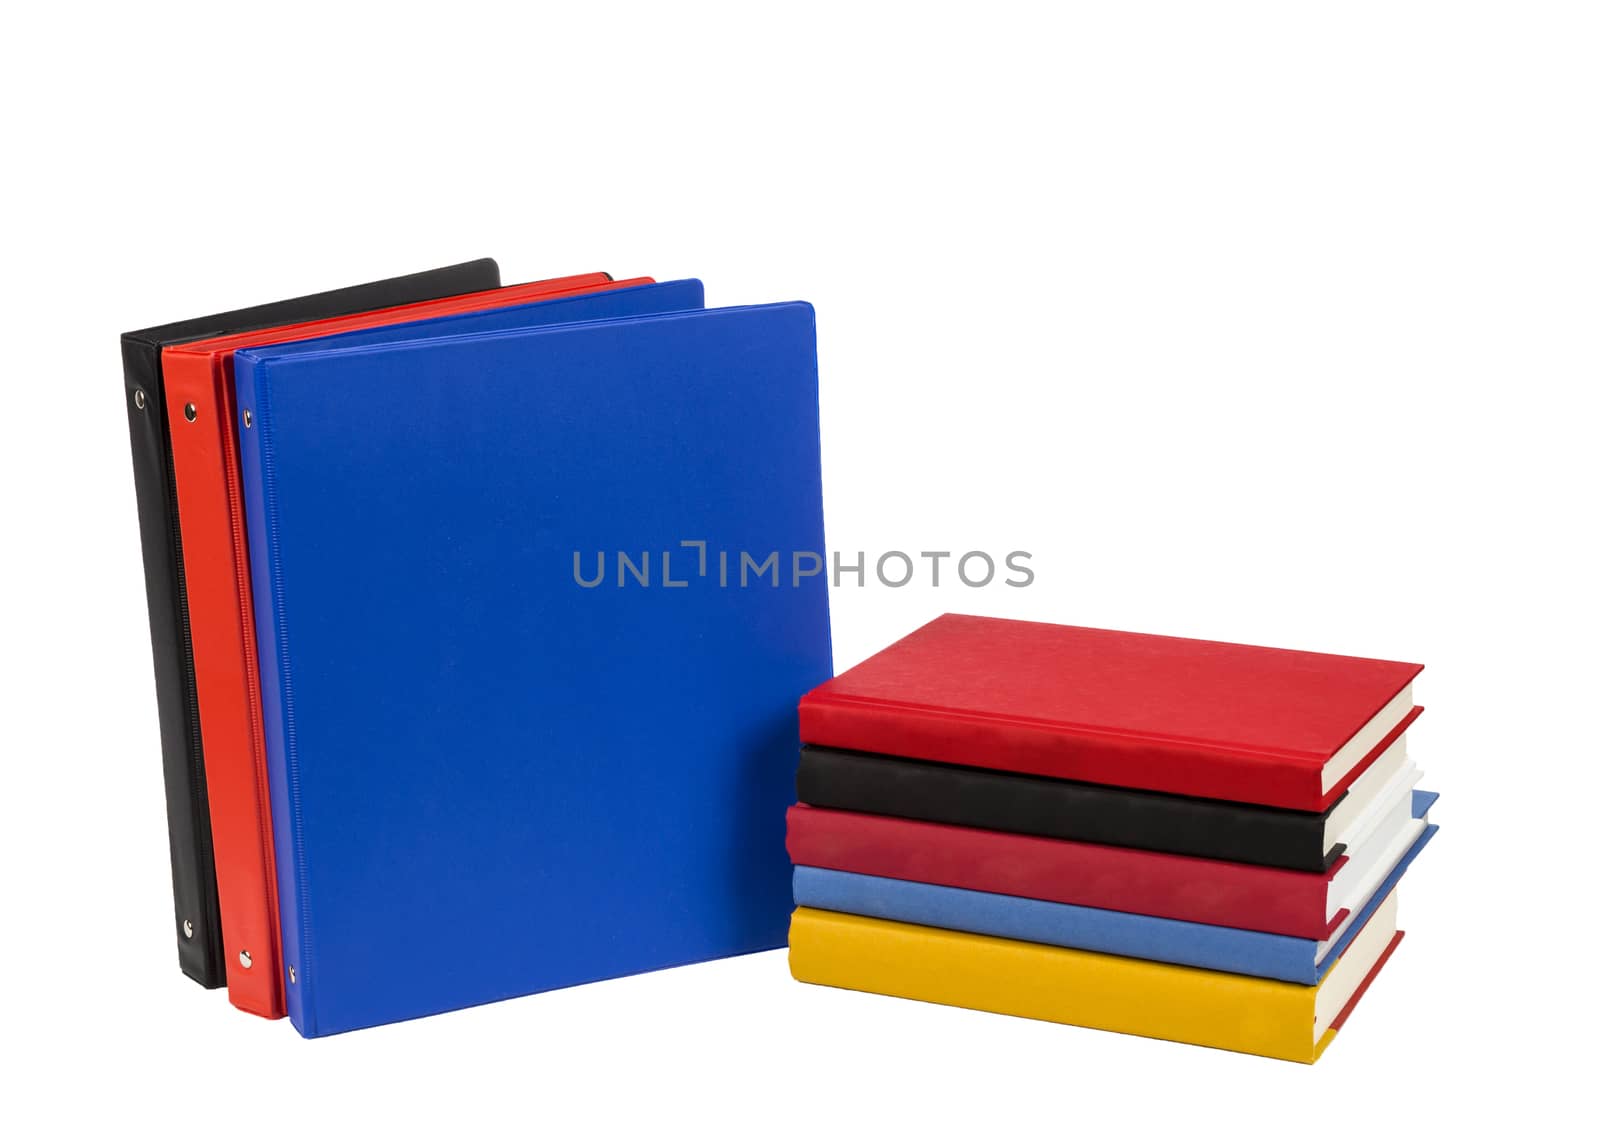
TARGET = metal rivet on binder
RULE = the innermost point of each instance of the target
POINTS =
(138, 398)
(244, 957)
(188, 928)
(189, 413)
(291, 974)
(247, 417)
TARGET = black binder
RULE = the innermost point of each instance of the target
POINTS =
(194, 885)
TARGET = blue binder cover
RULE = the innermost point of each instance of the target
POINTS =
(632, 301)
(1244, 951)
(534, 609)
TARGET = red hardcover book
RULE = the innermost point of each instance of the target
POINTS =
(205, 455)
(1255, 725)
(1266, 899)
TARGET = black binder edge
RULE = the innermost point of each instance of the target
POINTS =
(194, 883)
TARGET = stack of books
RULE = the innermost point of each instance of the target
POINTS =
(1166, 837)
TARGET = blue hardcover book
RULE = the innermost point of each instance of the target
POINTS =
(534, 608)
(1267, 955)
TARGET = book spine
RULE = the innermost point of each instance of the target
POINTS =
(253, 396)
(196, 918)
(1061, 809)
(1235, 895)
(1016, 745)
(1248, 953)
(1112, 993)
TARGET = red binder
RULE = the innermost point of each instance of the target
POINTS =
(1184, 887)
(1258, 725)
(205, 454)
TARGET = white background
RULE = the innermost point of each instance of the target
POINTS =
(1265, 322)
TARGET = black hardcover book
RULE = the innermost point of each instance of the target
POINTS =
(1064, 809)
(194, 883)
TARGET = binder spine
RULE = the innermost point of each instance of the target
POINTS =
(196, 916)
(253, 396)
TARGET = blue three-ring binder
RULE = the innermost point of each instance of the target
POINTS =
(489, 779)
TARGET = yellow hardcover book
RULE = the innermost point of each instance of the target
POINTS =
(1114, 993)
